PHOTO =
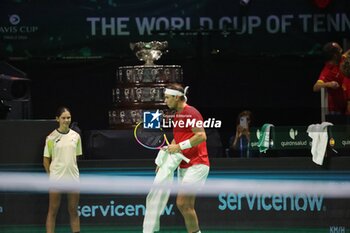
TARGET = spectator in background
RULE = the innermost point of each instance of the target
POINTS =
(239, 143)
(332, 79)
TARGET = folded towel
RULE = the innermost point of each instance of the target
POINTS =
(163, 156)
(264, 139)
(318, 134)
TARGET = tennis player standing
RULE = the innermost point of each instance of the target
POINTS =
(62, 147)
(191, 141)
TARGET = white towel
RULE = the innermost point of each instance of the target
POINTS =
(157, 198)
(319, 135)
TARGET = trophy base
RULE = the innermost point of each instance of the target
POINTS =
(137, 93)
(127, 118)
(149, 74)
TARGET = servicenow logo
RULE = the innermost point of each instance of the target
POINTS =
(114, 210)
(270, 202)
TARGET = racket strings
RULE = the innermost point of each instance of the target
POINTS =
(149, 138)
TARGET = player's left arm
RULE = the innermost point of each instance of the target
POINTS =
(198, 137)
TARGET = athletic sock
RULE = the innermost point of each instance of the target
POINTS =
(199, 231)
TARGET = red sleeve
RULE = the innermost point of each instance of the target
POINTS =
(346, 88)
(194, 114)
(324, 74)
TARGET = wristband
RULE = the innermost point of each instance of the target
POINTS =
(185, 144)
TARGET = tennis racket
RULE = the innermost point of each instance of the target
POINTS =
(153, 139)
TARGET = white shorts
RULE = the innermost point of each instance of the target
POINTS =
(196, 174)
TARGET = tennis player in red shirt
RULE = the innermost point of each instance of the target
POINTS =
(190, 140)
(332, 79)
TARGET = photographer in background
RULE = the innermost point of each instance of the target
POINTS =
(239, 143)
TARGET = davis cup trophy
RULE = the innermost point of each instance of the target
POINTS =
(149, 51)
(140, 88)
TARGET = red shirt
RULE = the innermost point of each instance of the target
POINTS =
(183, 131)
(336, 101)
(346, 88)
